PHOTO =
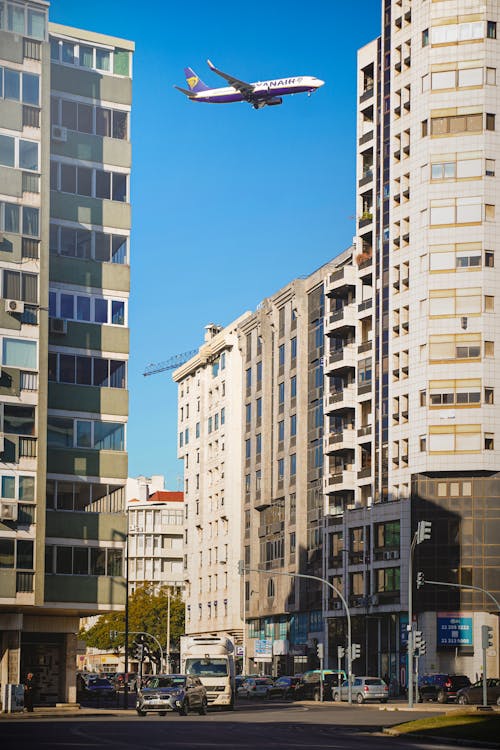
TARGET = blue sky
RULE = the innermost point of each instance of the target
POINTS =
(229, 204)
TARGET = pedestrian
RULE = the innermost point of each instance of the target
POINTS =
(29, 692)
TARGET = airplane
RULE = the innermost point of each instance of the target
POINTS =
(259, 94)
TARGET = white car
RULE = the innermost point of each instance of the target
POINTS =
(255, 687)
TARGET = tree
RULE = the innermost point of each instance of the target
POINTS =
(147, 614)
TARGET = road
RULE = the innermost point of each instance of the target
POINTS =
(263, 726)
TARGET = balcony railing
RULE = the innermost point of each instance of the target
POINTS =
(27, 447)
(24, 582)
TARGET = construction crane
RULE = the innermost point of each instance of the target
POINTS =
(169, 364)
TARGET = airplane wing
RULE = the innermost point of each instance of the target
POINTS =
(245, 89)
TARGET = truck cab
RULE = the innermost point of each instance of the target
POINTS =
(211, 659)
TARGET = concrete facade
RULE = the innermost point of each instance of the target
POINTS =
(64, 259)
(412, 374)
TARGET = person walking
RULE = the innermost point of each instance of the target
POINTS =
(29, 692)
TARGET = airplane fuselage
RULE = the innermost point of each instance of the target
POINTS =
(263, 90)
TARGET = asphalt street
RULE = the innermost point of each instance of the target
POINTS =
(273, 726)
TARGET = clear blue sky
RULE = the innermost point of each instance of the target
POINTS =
(229, 204)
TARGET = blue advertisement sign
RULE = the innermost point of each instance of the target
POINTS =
(263, 647)
(454, 629)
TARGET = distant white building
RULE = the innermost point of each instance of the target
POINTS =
(155, 534)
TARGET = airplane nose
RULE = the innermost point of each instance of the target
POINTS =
(318, 82)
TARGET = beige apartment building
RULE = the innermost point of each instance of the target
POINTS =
(282, 344)
(65, 101)
(209, 444)
(412, 386)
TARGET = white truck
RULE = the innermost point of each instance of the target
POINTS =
(211, 658)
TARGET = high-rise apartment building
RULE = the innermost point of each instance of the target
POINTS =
(282, 475)
(65, 100)
(412, 394)
(210, 429)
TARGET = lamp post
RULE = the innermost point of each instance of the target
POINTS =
(242, 569)
(125, 681)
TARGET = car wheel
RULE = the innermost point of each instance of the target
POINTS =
(462, 699)
(140, 712)
(184, 708)
(442, 697)
(203, 708)
(336, 696)
(360, 699)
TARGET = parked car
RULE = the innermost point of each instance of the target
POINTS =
(172, 692)
(474, 693)
(441, 687)
(309, 685)
(92, 687)
(363, 689)
(255, 687)
(284, 687)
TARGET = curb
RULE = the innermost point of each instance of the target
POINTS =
(448, 740)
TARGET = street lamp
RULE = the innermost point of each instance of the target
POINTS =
(242, 568)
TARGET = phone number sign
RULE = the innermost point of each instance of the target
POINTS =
(454, 630)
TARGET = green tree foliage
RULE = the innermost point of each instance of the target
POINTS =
(147, 614)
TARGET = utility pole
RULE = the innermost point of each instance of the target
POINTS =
(422, 533)
(168, 631)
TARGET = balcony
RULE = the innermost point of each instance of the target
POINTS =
(366, 346)
(342, 360)
(343, 480)
(365, 472)
(341, 441)
(367, 93)
(344, 277)
(341, 400)
(366, 178)
(365, 431)
(341, 319)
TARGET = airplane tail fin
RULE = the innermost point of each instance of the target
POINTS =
(194, 82)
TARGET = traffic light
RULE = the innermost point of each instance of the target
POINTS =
(340, 652)
(486, 636)
(423, 531)
(139, 652)
(419, 643)
(355, 651)
(420, 580)
(241, 567)
(113, 634)
(319, 651)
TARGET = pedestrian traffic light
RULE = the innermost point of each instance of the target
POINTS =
(355, 651)
(340, 652)
(486, 636)
(420, 580)
(423, 531)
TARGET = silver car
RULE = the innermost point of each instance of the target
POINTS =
(172, 692)
(363, 689)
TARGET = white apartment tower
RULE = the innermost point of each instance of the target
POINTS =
(210, 439)
(413, 342)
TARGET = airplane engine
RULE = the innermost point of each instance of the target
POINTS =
(274, 102)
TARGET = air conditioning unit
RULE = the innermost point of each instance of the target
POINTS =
(387, 555)
(14, 306)
(395, 554)
(8, 511)
(58, 325)
(59, 133)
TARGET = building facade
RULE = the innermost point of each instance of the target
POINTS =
(282, 345)
(209, 435)
(65, 104)
(411, 373)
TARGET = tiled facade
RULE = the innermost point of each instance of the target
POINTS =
(64, 255)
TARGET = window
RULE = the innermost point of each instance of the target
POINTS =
(365, 371)
(17, 219)
(388, 579)
(293, 425)
(490, 121)
(258, 444)
(259, 373)
(293, 464)
(247, 448)
(457, 32)
(455, 346)
(281, 431)
(248, 377)
(84, 243)
(72, 306)
(19, 87)
(491, 29)
(460, 438)
(281, 393)
(223, 415)
(456, 211)
(83, 561)
(248, 413)
(17, 152)
(281, 355)
(425, 37)
(454, 124)
(63, 432)
(85, 370)
(113, 61)
(281, 468)
(293, 348)
(95, 183)
(453, 302)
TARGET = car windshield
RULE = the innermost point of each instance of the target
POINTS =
(211, 667)
(166, 682)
